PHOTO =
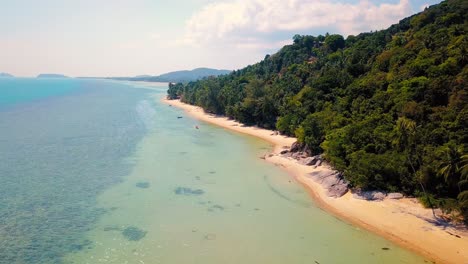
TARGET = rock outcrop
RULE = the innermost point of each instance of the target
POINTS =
(369, 195)
(332, 181)
(310, 161)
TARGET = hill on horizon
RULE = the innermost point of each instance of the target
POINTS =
(177, 76)
(4, 74)
(51, 75)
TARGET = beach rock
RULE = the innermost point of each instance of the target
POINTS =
(296, 146)
(296, 155)
(332, 181)
(369, 195)
(395, 196)
(338, 190)
(284, 152)
(310, 161)
(379, 196)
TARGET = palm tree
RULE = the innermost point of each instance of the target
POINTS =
(464, 166)
(452, 166)
(454, 169)
(406, 138)
(406, 142)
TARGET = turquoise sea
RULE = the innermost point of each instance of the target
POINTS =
(101, 172)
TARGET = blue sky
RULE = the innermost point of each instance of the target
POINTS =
(126, 38)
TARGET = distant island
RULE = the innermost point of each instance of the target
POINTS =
(51, 75)
(177, 76)
(5, 75)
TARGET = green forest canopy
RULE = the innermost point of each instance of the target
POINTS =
(387, 108)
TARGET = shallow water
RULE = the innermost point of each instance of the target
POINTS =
(58, 151)
(169, 193)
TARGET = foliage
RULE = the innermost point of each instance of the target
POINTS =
(387, 108)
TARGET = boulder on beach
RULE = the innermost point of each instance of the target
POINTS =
(369, 195)
(318, 163)
(332, 181)
(299, 155)
(295, 147)
(395, 196)
(310, 161)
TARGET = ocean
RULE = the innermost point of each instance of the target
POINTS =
(95, 171)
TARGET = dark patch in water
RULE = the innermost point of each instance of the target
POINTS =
(277, 192)
(143, 185)
(256, 209)
(133, 233)
(188, 191)
(81, 246)
(215, 208)
(212, 172)
(385, 248)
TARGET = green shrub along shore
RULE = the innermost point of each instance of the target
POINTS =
(387, 108)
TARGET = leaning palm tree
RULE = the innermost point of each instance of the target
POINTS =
(454, 169)
(452, 166)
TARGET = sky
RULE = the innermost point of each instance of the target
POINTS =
(135, 37)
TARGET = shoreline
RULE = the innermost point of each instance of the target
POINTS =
(404, 222)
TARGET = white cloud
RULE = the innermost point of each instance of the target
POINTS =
(259, 44)
(246, 19)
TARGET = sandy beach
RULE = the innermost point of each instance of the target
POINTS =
(403, 221)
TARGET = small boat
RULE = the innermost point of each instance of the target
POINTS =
(179, 117)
